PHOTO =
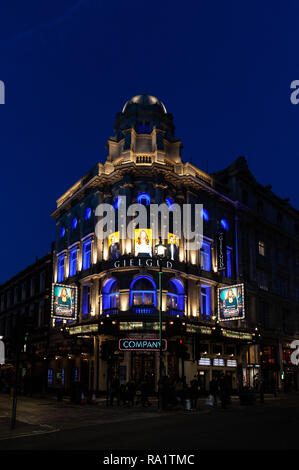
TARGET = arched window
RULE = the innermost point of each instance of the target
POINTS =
(143, 291)
(176, 295)
(110, 293)
(144, 198)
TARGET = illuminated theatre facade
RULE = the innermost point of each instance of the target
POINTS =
(116, 300)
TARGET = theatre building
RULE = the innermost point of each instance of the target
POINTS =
(230, 307)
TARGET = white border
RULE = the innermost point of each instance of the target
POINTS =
(243, 302)
(54, 284)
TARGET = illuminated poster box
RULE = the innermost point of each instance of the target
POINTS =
(64, 301)
(231, 302)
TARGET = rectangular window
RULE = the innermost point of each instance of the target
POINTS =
(205, 253)
(261, 248)
(73, 261)
(263, 280)
(85, 300)
(205, 300)
(42, 281)
(86, 254)
(60, 269)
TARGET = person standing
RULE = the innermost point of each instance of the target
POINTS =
(194, 392)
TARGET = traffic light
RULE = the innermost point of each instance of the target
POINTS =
(182, 350)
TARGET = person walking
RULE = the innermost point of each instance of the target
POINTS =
(145, 391)
(115, 386)
(214, 391)
(194, 392)
(131, 389)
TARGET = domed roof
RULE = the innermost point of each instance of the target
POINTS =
(145, 101)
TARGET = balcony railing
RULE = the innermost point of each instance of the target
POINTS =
(111, 311)
(144, 310)
(175, 312)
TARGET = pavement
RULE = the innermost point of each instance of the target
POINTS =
(49, 424)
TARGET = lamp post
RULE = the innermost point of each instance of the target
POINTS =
(160, 251)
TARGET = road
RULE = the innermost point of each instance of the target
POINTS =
(273, 425)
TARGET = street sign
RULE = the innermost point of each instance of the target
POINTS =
(142, 344)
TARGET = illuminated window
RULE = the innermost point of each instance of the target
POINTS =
(205, 254)
(87, 213)
(86, 254)
(261, 248)
(60, 270)
(143, 291)
(224, 224)
(85, 300)
(62, 232)
(110, 292)
(73, 261)
(74, 223)
(175, 295)
(144, 198)
(205, 300)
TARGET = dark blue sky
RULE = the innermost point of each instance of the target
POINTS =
(223, 68)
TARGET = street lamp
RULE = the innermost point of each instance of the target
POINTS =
(160, 251)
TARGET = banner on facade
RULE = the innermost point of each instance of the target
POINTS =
(221, 250)
(143, 344)
(113, 246)
(231, 304)
(143, 242)
(64, 301)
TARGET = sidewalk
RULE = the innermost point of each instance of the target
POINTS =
(47, 415)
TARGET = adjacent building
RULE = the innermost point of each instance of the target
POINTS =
(26, 299)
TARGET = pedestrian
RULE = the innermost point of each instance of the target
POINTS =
(131, 390)
(194, 392)
(224, 391)
(144, 386)
(114, 391)
(214, 391)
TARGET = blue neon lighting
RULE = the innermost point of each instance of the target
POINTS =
(62, 232)
(224, 224)
(144, 198)
(169, 201)
(87, 213)
(205, 214)
(74, 223)
(117, 202)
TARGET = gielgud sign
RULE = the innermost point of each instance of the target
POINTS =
(141, 262)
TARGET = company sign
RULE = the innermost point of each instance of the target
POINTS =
(129, 344)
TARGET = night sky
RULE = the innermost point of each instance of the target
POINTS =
(222, 68)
